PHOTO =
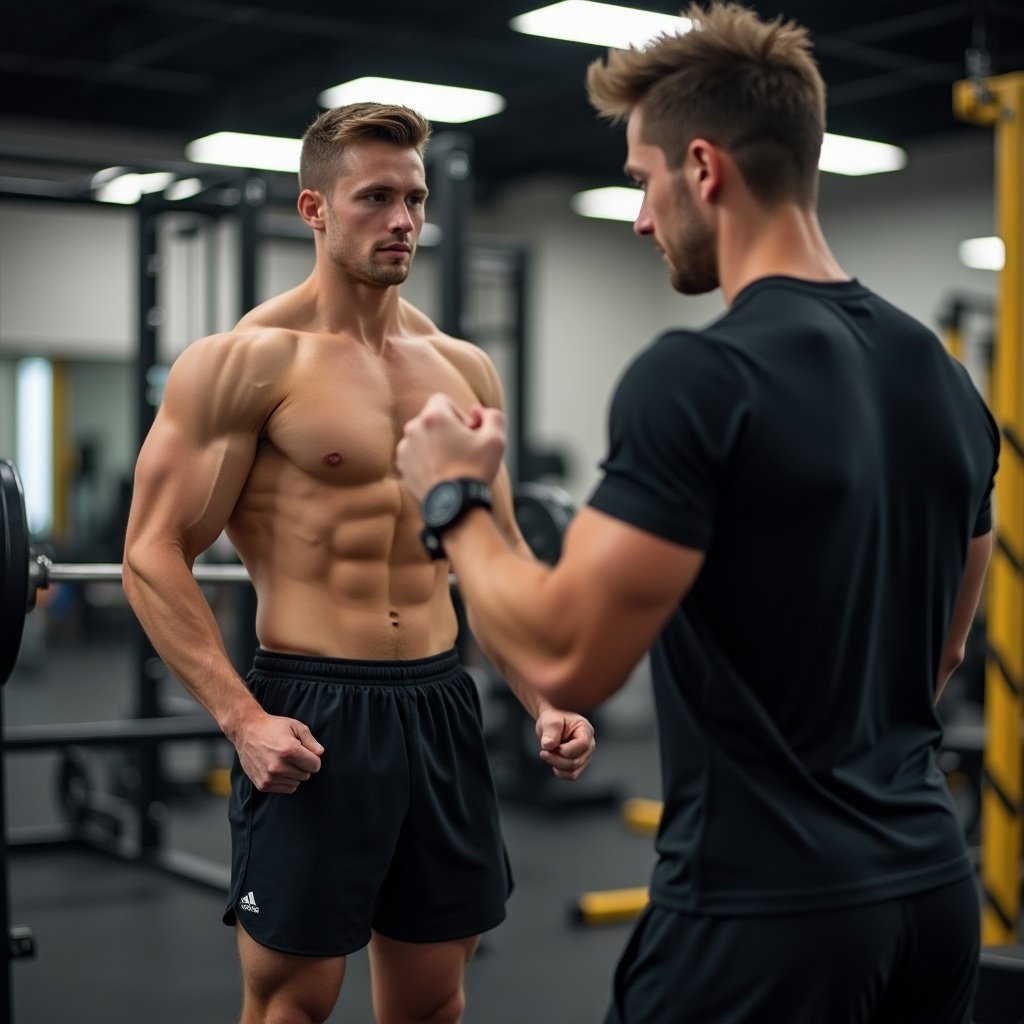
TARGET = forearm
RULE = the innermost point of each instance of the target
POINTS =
(512, 608)
(183, 630)
(530, 699)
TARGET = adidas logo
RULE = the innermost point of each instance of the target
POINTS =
(248, 902)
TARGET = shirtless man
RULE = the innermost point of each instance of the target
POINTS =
(362, 806)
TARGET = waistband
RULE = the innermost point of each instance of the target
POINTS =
(315, 667)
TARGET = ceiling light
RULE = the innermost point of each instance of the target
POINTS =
(616, 203)
(445, 103)
(183, 188)
(841, 154)
(235, 149)
(982, 253)
(127, 188)
(582, 21)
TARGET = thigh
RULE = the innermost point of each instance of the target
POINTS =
(283, 986)
(419, 981)
(449, 875)
(802, 968)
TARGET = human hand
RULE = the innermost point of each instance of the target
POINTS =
(278, 754)
(567, 742)
(444, 442)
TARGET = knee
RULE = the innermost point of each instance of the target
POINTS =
(291, 1015)
(451, 1011)
(448, 1011)
(285, 1011)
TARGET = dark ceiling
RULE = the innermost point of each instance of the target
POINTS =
(184, 68)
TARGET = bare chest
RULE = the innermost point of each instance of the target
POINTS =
(343, 416)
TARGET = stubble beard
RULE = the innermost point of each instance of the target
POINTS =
(693, 258)
(370, 271)
(694, 266)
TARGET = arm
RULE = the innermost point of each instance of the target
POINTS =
(978, 554)
(566, 739)
(189, 474)
(575, 631)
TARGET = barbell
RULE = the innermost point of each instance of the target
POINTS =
(542, 511)
(26, 572)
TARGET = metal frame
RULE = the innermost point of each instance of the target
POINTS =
(999, 102)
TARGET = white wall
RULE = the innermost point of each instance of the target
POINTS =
(899, 232)
(66, 279)
(597, 293)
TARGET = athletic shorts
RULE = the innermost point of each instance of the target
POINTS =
(397, 832)
(904, 961)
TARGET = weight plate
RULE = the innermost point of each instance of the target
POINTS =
(14, 554)
(543, 512)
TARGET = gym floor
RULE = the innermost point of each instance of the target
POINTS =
(119, 941)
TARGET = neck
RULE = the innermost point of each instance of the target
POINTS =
(755, 243)
(369, 313)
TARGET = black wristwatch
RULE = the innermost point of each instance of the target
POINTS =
(445, 504)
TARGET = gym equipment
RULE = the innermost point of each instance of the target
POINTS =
(609, 906)
(14, 580)
(543, 514)
(100, 821)
(1000, 995)
(642, 815)
(999, 102)
(24, 572)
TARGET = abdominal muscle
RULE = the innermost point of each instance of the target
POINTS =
(339, 571)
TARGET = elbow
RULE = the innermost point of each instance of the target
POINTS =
(134, 573)
(952, 659)
(129, 584)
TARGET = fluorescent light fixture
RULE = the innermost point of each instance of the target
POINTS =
(982, 253)
(183, 188)
(841, 154)
(236, 149)
(582, 21)
(616, 203)
(128, 187)
(445, 103)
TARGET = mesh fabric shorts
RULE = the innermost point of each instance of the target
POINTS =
(399, 829)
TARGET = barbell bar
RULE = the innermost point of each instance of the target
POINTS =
(40, 567)
(25, 572)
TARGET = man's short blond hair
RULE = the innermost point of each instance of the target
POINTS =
(747, 85)
(327, 139)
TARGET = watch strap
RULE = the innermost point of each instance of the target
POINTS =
(473, 494)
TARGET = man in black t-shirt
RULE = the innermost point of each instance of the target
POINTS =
(795, 511)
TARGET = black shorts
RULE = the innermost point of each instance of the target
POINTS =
(398, 831)
(904, 961)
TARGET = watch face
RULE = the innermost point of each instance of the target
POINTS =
(442, 503)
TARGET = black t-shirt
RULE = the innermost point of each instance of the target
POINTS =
(833, 463)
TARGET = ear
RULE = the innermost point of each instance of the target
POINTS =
(705, 159)
(311, 208)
